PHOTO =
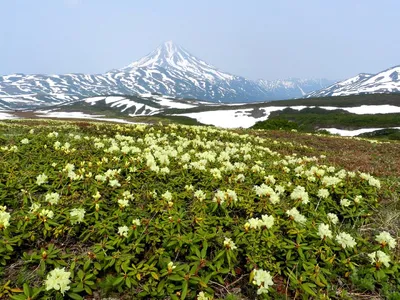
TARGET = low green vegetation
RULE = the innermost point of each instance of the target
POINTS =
(387, 134)
(276, 124)
(185, 212)
(312, 119)
(338, 101)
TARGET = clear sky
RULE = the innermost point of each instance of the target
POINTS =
(254, 38)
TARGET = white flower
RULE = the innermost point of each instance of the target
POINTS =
(330, 181)
(123, 231)
(299, 193)
(254, 223)
(323, 193)
(240, 178)
(42, 178)
(263, 280)
(219, 197)
(229, 244)
(371, 180)
(96, 196)
(200, 195)
(77, 215)
(345, 202)
(296, 216)
(267, 221)
(345, 240)
(4, 218)
(379, 257)
(114, 183)
(47, 213)
(202, 296)
(34, 207)
(384, 238)
(167, 196)
(374, 182)
(136, 222)
(231, 195)
(324, 231)
(58, 279)
(279, 189)
(25, 141)
(270, 179)
(52, 198)
(357, 199)
(69, 168)
(52, 134)
(123, 203)
(57, 145)
(333, 218)
(127, 195)
(189, 187)
(171, 266)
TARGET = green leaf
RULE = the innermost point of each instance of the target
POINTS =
(307, 288)
(27, 290)
(118, 280)
(81, 274)
(88, 289)
(18, 297)
(155, 275)
(128, 282)
(74, 296)
(86, 265)
(175, 277)
(185, 286)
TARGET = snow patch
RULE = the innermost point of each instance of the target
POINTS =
(344, 132)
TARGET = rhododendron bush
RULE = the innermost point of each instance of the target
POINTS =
(179, 212)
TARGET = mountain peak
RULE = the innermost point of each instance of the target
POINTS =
(166, 55)
(174, 58)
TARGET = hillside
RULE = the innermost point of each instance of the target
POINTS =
(387, 81)
(186, 212)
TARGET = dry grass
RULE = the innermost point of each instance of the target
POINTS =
(381, 160)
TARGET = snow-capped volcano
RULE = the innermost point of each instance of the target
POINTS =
(169, 70)
(173, 57)
(387, 81)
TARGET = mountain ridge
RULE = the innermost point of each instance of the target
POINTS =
(386, 81)
(169, 70)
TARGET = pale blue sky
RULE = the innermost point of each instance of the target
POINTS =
(254, 38)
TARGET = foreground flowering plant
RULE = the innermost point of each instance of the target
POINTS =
(179, 212)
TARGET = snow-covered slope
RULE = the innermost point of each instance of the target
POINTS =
(169, 70)
(387, 81)
(293, 87)
(117, 105)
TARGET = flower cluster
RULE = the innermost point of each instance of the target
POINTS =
(229, 244)
(345, 240)
(265, 221)
(77, 215)
(58, 279)
(300, 194)
(378, 258)
(263, 280)
(295, 215)
(384, 238)
(4, 217)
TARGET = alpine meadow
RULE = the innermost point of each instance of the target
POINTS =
(94, 210)
(199, 150)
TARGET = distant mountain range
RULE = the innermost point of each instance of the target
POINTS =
(169, 70)
(172, 71)
(387, 81)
